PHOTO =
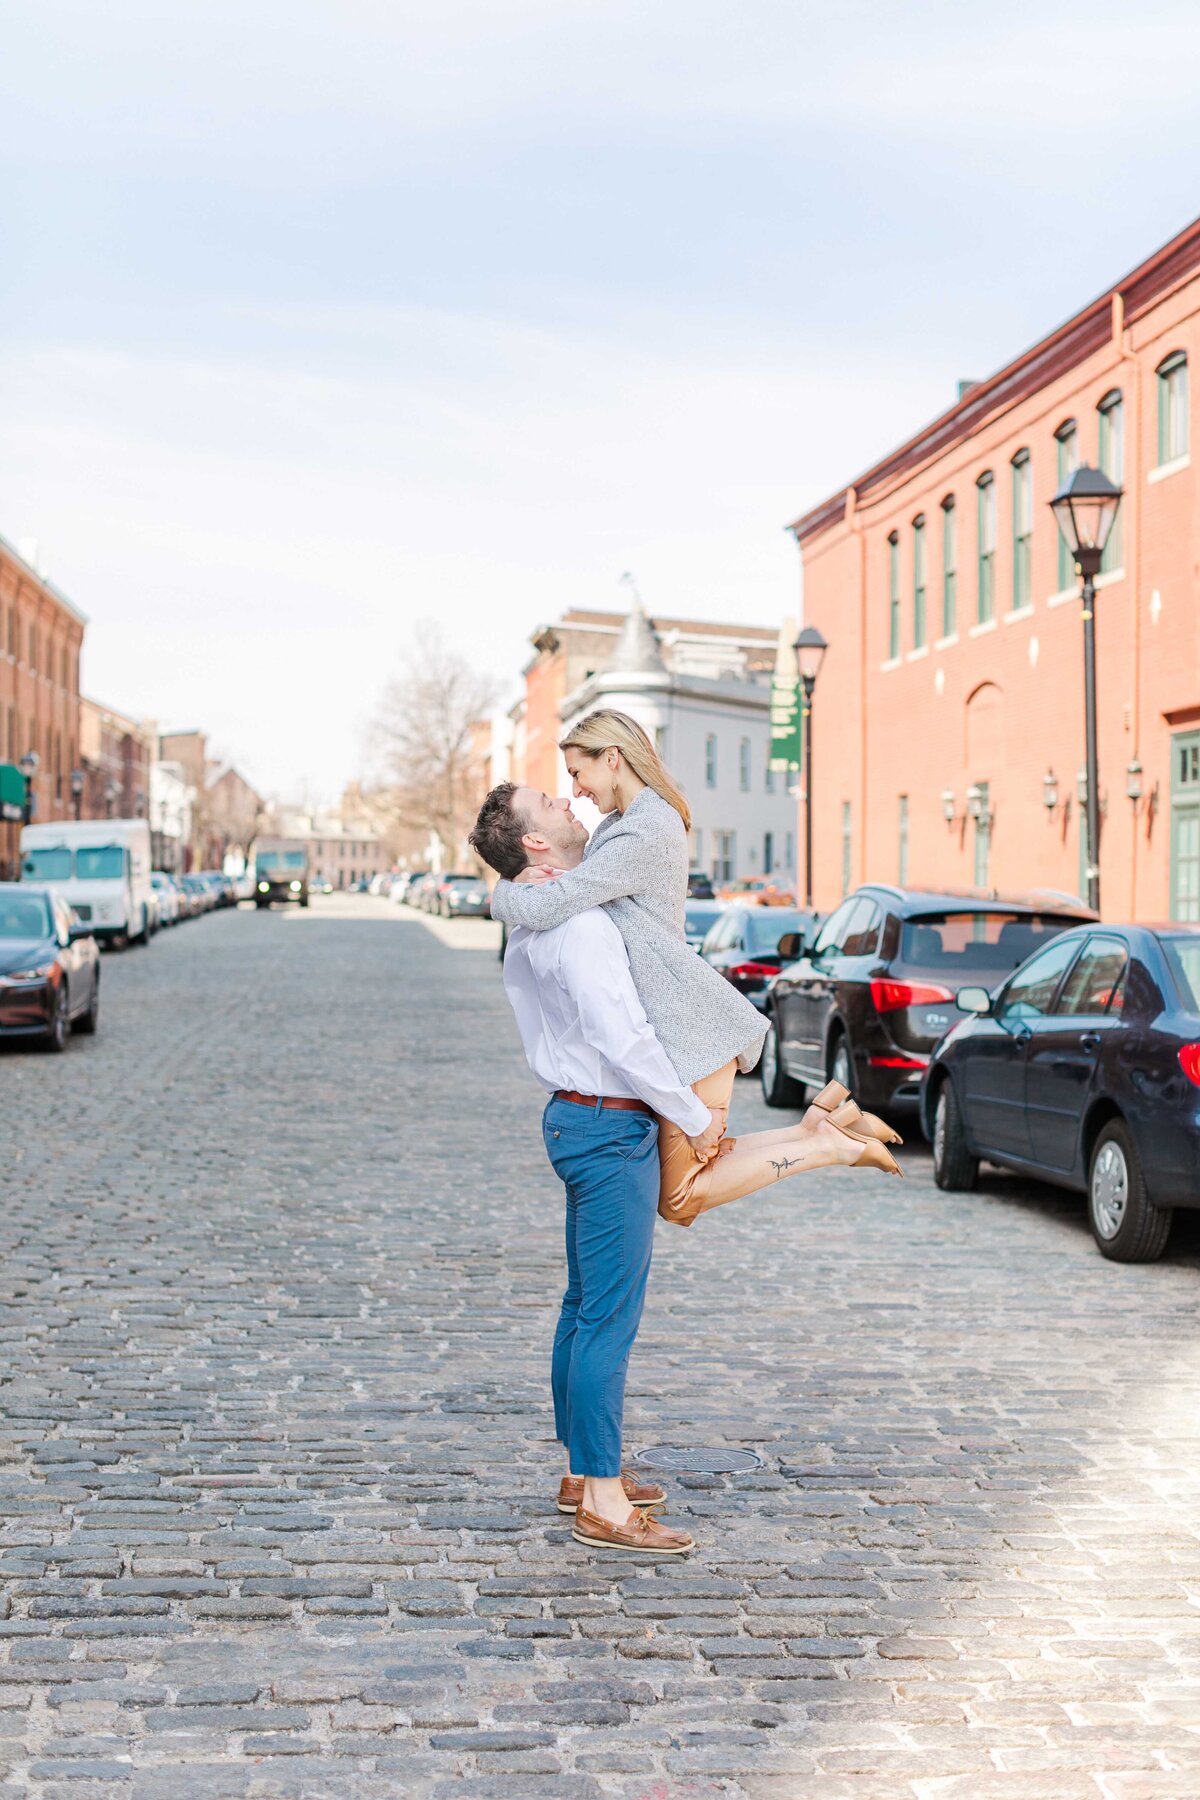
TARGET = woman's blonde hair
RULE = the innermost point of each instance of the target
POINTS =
(607, 730)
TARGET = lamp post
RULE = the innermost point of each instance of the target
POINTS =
(28, 766)
(810, 648)
(110, 799)
(1085, 507)
(77, 791)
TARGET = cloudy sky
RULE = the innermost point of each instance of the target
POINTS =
(320, 318)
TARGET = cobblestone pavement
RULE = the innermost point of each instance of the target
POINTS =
(281, 1256)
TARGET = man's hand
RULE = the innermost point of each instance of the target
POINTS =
(704, 1146)
(538, 872)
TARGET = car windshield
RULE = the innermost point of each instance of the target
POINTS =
(48, 865)
(24, 916)
(697, 919)
(764, 929)
(977, 943)
(281, 859)
(106, 862)
(1183, 954)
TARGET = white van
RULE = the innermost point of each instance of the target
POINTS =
(101, 867)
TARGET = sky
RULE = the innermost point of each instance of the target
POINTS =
(322, 318)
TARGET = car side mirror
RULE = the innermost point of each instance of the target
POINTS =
(973, 1000)
(791, 945)
(80, 931)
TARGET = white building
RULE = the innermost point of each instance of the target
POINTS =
(708, 712)
(171, 803)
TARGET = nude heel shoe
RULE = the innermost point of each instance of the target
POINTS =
(875, 1156)
(834, 1098)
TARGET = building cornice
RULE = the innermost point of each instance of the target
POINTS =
(1080, 337)
(46, 587)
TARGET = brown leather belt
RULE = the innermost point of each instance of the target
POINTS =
(610, 1102)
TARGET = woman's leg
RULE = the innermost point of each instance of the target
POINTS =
(743, 1165)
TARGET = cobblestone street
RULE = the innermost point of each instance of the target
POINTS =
(281, 1260)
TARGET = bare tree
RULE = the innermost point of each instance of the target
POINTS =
(426, 736)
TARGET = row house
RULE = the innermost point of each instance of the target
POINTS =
(949, 715)
(41, 636)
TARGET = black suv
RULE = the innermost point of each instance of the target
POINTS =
(867, 1002)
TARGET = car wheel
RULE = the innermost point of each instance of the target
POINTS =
(841, 1063)
(60, 1024)
(954, 1168)
(1126, 1226)
(91, 1018)
(778, 1087)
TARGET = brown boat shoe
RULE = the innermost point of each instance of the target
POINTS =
(638, 1493)
(642, 1535)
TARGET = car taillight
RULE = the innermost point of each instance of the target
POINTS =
(890, 996)
(1189, 1062)
(753, 971)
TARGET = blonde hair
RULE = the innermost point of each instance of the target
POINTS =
(607, 730)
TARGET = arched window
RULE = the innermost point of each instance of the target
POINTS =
(919, 634)
(1112, 460)
(985, 523)
(1022, 530)
(893, 596)
(1066, 440)
(1172, 377)
(949, 567)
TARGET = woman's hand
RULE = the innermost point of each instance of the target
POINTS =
(704, 1146)
(536, 873)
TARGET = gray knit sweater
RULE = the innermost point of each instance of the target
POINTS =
(636, 866)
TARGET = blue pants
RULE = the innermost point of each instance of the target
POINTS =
(608, 1162)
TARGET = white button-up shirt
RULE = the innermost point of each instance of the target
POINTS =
(582, 1024)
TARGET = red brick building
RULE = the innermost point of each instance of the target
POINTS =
(948, 718)
(41, 635)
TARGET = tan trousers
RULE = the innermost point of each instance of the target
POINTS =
(741, 1166)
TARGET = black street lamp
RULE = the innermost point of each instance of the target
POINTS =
(810, 648)
(77, 791)
(110, 799)
(1086, 507)
(28, 766)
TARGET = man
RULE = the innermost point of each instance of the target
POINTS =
(589, 1043)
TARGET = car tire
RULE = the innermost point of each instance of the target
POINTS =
(304, 901)
(1126, 1225)
(778, 1087)
(60, 1027)
(90, 1020)
(955, 1170)
(841, 1062)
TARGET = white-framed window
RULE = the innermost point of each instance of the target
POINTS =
(1112, 461)
(1022, 531)
(902, 860)
(846, 847)
(744, 749)
(893, 596)
(949, 567)
(919, 637)
(724, 855)
(1172, 381)
(985, 517)
(1066, 461)
(710, 760)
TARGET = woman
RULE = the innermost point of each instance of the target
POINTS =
(636, 865)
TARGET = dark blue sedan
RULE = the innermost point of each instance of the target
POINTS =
(1083, 1068)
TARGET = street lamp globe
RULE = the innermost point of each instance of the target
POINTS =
(76, 782)
(28, 764)
(809, 648)
(1085, 507)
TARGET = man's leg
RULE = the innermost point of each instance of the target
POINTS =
(564, 1336)
(616, 1195)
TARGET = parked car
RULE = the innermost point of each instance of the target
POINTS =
(49, 966)
(167, 896)
(200, 892)
(418, 888)
(189, 902)
(743, 945)
(698, 919)
(1083, 1068)
(758, 888)
(463, 896)
(868, 1000)
(699, 885)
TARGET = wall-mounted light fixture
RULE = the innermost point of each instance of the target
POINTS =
(949, 806)
(1133, 780)
(1050, 790)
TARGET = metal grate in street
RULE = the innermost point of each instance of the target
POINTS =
(699, 1459)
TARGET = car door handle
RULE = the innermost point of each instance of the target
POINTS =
(1090, 1040)
(1022, 1035)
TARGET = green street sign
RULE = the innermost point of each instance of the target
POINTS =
(786, 731)
(12, 792)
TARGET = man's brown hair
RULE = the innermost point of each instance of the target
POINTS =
(498, 832)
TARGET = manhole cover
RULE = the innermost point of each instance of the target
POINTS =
(699, 1460)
